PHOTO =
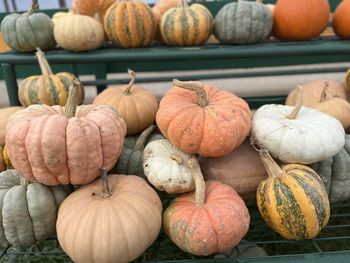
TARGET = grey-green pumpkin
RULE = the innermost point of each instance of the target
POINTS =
(28, 210)
(25, 32)
(335, 173)
(243, 22)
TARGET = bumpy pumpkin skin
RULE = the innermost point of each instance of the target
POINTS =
(243, 22)
(122, 225)
(28, 211)
(5, 114)
(94, 8)
(341, 20)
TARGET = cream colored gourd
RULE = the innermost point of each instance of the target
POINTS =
(297, 134)
(166, 168)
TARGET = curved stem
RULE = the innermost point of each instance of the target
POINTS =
(34, 7)
(43, 63)
(143, 138)
(195, 86)
(176, 157)
(324, 92)
(293, 115)
(200, 186)
(105, 188)
(131, 83)
(24, 181)
(71, 103)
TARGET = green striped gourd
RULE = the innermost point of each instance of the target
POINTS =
(24, 32)
(130, 24)
(186, 25)
(293, 200)
(243, 22)
(48, 88)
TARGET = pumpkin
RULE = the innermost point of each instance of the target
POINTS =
(243, 22)
(312, 92)
(94, 8)
(211, 219)
(242, 169)
(186, 25)
(77, 32)
(297, 134)
(293, 200)
(161, 6)
(341, 20)
(32, 30)
(55, 145)
(335, 173)
(116, 222)
(199, 118)
(5, 158)
(166, 168)
(28, 210)
(48, 88)
(58, 15)
(298, 20)
(2, 161)
(3, 45)
(5, 114)
(347, 81)
(130, 160)
(130, 24)
(137, 106)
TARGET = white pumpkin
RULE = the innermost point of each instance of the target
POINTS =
(165, 167)
(297, 134)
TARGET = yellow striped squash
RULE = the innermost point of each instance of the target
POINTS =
(130, 24)
(48, 88)
(293, 200)
(186, 25)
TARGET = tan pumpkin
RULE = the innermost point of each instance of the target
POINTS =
(56, 145)
(137, 106)
(5, 114)
(130, 24)
(211, 219)
(341, 20)
(114, 219)
(94, 8)
(58, 15)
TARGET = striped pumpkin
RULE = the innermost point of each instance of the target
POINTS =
(130, 24)
(48, 88)
(293, 200)
(186, 25)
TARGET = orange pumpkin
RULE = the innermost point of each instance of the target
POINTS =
(95, 8)
(158, 10)
(299, 20)
(210, 220)
(199, 118)
(341, 20)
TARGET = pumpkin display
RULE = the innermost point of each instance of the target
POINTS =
(335, 173)
(211, 219)
(94, 8)
(137, 106)
(297, 134)
(312, 92)
(298, 20)
(243, 22)
(32, 30)
(166, 168)
(341, 20)
(115, 218)
(77, 32)
(293, 200)
(199, 118)
(242, 169)
(130, 160)
(55, 145)
(28, 210)
(130, 24)
(5, 114)
(48, 88)
(186, 25)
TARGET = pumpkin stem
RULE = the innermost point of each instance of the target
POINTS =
(43, 63)
(71, 103)
(176, 157)
(195, 86)
(142, 139)
(131, 83)
(324, 92)
(199, 182)
(34, 7)
(6, 158)
(105, 188)
(347, 80)
(24, 181)
(293, 115)
(182, 4)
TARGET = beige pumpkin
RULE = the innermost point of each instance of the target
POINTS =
(58, 15)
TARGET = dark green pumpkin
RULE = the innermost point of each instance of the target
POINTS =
(25, 32)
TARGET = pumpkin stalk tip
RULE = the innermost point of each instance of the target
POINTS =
(34, 7)
(176, 158)
(196, 87)
(272, 168)
(24, 181)
(200, 186)
(143, 137)
(323, 97)
(43, 63)
(293, 115)
(105, 188)
(71, 103)
(131, 83)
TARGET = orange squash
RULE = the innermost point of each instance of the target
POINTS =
(94, 8)
(3, 45)
(341, 20)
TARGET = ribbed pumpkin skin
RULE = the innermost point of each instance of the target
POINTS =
(46, 146)
(341, 20)
(214, 227)
(119, 228)
(5, 114)
(186, 26)
(298, 20)
(243, 22)
(28, 212)
(91, 7)
(32, 31)
(130, 24)
(50, 90)
(294, 204)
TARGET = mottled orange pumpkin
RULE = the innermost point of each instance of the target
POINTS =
(199, 118)
(95, 8)
(211, 219)
(341, 20)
